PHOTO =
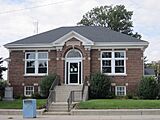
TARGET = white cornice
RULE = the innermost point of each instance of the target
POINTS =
(102, 45)
(97, 45)
(43, 45)
(121, 43)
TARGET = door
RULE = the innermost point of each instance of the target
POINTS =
(73, 72)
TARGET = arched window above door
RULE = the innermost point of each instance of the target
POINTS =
(74, 53)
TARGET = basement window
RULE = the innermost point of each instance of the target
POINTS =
(28, 91)
(120, 90)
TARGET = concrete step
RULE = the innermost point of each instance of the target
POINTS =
(58, 110)
(57, 113)
(59, 103)
(62, 92)
(66, 88)
(62, 97)
(58, 107)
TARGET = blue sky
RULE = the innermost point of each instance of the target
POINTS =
(17, 25)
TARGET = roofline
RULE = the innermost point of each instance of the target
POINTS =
(122, 44)
(42, 45)
(96, 45)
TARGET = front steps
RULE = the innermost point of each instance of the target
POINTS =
(60, 106)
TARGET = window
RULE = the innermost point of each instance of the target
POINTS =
(120, 90)
(28, 90)
(113, 62)
(36, 63)
(106, 62)
(74, 54)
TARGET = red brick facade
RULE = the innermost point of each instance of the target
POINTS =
(91, 64)
(134, 69)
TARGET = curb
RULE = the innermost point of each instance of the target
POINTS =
(110, 112)
(18, 111)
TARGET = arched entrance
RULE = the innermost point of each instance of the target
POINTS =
(73, 67)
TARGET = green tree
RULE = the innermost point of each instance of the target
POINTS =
(3, 84)
(156, 66)
(100, 85)
(46, 83)
(2, 68)
(116, 18)
(148, 88)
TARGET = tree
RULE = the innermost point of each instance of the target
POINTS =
(3, 84)
(145, 61)
(2, 68)
(100, 86)
(46, 83)
(116, 18)
(148, 88)
(156, 66)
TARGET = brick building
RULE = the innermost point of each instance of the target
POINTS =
(74, 53)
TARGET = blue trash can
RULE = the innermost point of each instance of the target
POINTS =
(29, 108)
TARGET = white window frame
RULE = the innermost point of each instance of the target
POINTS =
(113, 59)
(117, 90)
(36, 60)
(26, 91)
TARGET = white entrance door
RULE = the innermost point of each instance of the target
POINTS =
(73, 73)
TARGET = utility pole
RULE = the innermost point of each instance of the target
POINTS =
(35, 23)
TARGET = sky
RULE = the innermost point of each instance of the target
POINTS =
(18, 19)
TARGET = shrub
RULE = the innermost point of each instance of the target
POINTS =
(36, 96)
(148, 88)
(46, 83)
(20, 97)
(129, 96)
(100, 86)
(3, 84)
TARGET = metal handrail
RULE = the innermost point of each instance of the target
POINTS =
(84, 84)
(71, 98)
(52, 95)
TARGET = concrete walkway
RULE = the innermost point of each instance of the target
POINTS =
(44, 117)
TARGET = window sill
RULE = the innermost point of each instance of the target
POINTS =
(120, 95)
(35, 74)
(28, 95)
(115, 74)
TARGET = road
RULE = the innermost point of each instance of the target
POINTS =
(65, 117)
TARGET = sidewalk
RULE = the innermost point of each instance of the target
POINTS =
(44, 117)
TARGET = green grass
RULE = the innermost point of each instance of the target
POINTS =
(17, 104)
(119, 104)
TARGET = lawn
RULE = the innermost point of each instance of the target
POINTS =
(17, 104)
(119, 104)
